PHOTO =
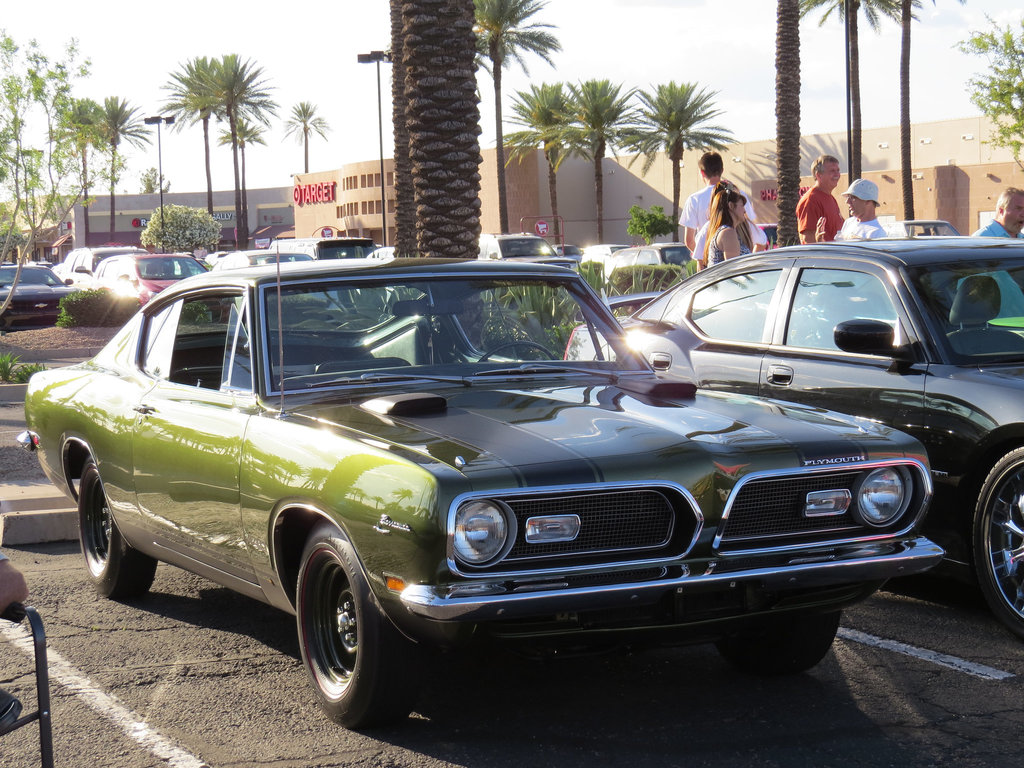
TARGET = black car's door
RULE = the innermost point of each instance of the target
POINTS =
(804, 364)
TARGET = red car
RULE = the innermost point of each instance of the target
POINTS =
(144, 274)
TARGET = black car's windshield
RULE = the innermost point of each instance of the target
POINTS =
(333, 332)
(345, 250)
(977, 306)
(29, 276)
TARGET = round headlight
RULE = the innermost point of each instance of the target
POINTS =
(881, 497)
(482, 532)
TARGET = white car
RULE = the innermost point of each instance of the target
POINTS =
(600, 252)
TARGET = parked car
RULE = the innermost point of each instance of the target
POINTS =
(600, 252)
(921, 228)
(573, 251)
(80, 263)
(36, 298)
(923, 335)
(144, 275)
(327, 247)
(405, 453)
(259, 257)
(513, 246)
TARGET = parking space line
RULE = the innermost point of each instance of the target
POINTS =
(953, 662)
(103, 703)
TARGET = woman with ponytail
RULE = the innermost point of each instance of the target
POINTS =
(728, 233)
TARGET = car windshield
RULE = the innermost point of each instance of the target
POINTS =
(338, 331)
(514, 247)
(169, 268)
(28, 277)
(345, 250)
(977, 306)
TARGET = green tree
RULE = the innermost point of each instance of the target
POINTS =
(672, 119)
(650, 224)
(787, 116)
(85, 129)
(242, 92)
(504, 33)
(182, 229)
(999, 92)
(544, 113)
(443, 119)
(601, 118)
(120, 122)
(303, 122)
(193, 99)
(11, 240)
(149, 182)
(874, 11)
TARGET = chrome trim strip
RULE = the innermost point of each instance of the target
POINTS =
(922, 473)
(858, 562)
(566, 490)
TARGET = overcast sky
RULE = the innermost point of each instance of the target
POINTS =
(308, 53)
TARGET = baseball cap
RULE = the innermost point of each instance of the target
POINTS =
(863, 189)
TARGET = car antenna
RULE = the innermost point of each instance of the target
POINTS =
(280, 338)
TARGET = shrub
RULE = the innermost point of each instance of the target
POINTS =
(645, 277)
(96, 308)
(13, 371)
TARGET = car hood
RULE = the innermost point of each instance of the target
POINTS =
(582, 434)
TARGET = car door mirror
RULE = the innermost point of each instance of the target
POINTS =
(868, 337)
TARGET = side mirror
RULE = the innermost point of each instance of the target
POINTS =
(869, 337)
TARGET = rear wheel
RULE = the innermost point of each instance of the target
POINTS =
(785, 647)
(363, 670)
(116, 569)
(999, 540)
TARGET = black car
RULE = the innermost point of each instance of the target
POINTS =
(924, 336)
(36, 298)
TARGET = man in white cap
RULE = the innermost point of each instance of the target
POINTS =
(862, 200)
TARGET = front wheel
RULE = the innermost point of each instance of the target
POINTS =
(363, 670)
(785, 647)
(999, 540)
(116, 569)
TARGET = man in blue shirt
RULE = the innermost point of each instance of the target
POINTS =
(1009, 216)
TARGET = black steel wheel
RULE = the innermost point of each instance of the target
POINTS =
(784, 647)
(364, 672)
(116, 569)
(999, 540)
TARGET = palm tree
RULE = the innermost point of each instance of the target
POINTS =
(544, 112)
(444, 153)
(502, 35)
(246, 133)
(601, 119)
(193, 99)
(84, 122)
(303, 122)
(673, 119)
(405, 200)
(906, 171)
(874, 10)
(242, 93)
(119, 122)
(787, 116)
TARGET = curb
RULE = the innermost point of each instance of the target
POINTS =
(35, 513)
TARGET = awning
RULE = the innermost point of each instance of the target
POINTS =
(61, 240)
(275, 230)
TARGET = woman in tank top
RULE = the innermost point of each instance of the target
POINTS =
(728, 233)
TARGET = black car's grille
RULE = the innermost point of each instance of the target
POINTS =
(619, 525)
(771, 510)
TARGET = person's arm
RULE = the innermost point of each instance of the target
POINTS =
(689, 237)
(13, 588)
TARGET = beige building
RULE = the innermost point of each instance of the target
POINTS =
(957, 176)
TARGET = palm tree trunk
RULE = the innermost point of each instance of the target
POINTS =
(906, 171)
(245, 195)
(499, 138)
(553, 194)
(209, 176)
(113, 165)
(241, 222)
(855, 106)
(305, 151)
(85, 199)
(677, 183)
(405, 203)
(787, 116)
(599, 190)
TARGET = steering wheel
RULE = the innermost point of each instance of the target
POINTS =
(519, 343)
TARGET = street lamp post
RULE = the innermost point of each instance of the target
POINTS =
(376, 57)
(157, 120)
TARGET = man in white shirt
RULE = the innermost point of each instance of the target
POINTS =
(862, 200)
(696, 208)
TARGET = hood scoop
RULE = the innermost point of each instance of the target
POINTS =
(407, 404)
(658, 389)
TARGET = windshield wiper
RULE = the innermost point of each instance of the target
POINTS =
(377, 378)
(533, 369)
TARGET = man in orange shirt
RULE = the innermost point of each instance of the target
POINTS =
(817, 213)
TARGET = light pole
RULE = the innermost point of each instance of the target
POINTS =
(376, 57)
(157, 120)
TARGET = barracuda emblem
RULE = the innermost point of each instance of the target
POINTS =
(386, 525)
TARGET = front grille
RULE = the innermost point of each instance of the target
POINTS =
(616, 526)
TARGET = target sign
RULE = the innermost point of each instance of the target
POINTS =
(541, 227)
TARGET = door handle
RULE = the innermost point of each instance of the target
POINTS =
(781, 375)
(661, 361)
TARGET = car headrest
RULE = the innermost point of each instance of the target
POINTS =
(976, 302)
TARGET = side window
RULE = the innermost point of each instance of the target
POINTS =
(826, 297)
(734, 309)
(237, 355)
(160, 330)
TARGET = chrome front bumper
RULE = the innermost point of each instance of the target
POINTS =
(854, 563)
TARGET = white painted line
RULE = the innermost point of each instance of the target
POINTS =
(953, 662)
(103, 703)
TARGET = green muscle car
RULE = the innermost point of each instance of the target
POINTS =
(409, 455)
